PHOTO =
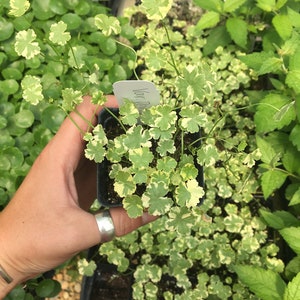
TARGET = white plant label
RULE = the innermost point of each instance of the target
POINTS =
(141, 92)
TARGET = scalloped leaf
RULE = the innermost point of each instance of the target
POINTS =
(26, 45)
(58, 34)
(108, 24)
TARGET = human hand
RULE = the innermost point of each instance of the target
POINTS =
(47, 222)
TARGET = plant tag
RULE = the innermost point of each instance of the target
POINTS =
(141, 92)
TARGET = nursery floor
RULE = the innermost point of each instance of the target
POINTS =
(70, 288)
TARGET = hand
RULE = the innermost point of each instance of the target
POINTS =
(47, 222)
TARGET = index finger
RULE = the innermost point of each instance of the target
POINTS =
(68, 141)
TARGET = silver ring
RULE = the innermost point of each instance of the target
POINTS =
(105, 225)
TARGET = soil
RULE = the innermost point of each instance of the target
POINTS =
(110, 284)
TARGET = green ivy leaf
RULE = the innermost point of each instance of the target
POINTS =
(32, 89)
(18, 7)
(293, 291)
(238, 36)
(265, 117)
(108, 24)
(283, 26)
(294, 136)
(156, 9)
(292, 236)
(266, 284)
(25, 44)
(58, 35)
(272, 180)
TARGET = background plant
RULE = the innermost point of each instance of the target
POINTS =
(200, 249)
(239, 64)
(51, 54)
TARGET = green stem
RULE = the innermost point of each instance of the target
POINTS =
(135, 61)
(115, 117)
(170, 52)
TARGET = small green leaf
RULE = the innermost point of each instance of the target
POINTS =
(266, 284)
(71, 98)
(208, 20)
(77, 56)
(238, 36)
(124, 184)
(133, 205)
(32, 89)
(293, 289)
(156, 199)
(192, 118)
(267, 5)
(232, 5)
(25, 44)
(140, 157)
(24, 119)
(129, 113)
(108, 24)
(272, 180)
(292, 236)
(196, 193)
(214, 5)
(85, 267)
(296, 198)
(265, 117)
(58, 35)
(268, 154)
(156, 9)
(279, 219)
(294, 136)
(48, 288)
(283, 26)
(270, 65)
(18, 7)
(292, 80)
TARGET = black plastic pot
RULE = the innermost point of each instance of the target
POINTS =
(106, 283)
(106, 195)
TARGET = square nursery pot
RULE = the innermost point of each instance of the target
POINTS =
(106, 283)
(106, 195)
